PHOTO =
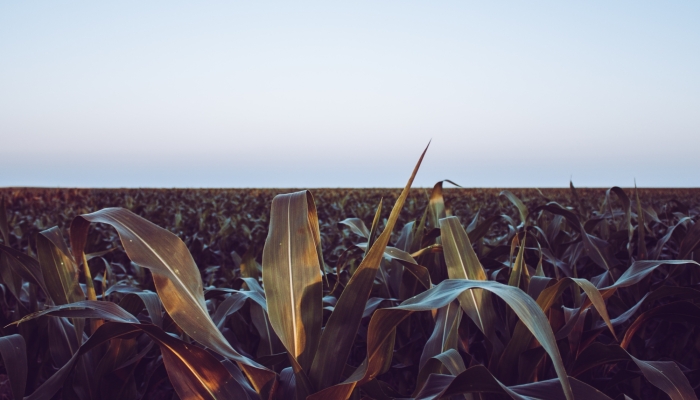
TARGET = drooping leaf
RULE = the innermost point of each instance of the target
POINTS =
(384, 321)
(522, 336)
(176, 277)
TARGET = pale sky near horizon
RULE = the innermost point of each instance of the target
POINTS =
(347, 94)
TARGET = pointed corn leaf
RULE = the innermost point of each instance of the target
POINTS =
(356, 226)
(176, 277)
(292, 275)
(408, 261)
(519, 265)
(14, 357)
(462, 263)
(58, 268)
(436, 205)
(375, 224)
(341, 328)
(641, 269)
(86, 309)
(522, 208)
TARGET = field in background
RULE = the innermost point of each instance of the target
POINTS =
(215, 222)
(620, 313)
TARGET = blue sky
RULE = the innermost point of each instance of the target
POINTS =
(347, 94)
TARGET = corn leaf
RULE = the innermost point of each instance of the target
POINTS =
(292, 275)
(384, 321)
(176, 277)
(462, 263)
(519, 205)
(341, 328)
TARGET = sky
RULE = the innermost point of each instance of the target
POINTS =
(348, 94)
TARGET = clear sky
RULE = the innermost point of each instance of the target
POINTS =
(347, 94)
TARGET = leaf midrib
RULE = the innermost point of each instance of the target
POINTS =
(471, 292)
(177, 278)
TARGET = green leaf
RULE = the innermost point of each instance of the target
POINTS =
(176, 277)
(292, 275)
(356, 226)
(591, 249)
(340, 330)
(58, 267)
(85, 309)
(436, 204)
(442, 344)
(462, 263)
(384, 321)
(521, 207)
(375, 225)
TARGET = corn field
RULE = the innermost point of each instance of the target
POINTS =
(350, 294)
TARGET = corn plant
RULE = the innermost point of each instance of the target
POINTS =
(522, 300)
